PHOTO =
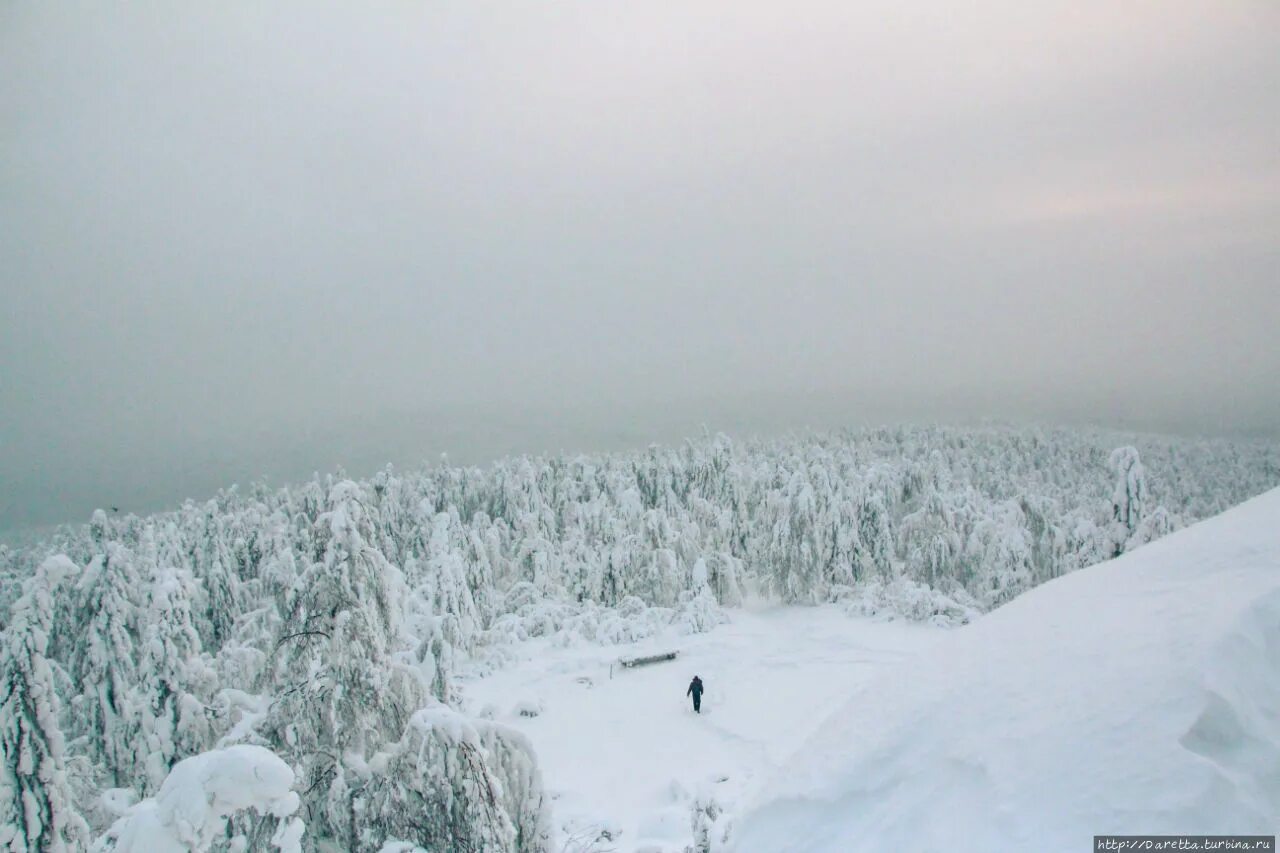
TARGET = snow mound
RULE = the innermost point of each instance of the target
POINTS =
(191, 808)
(1139, 696)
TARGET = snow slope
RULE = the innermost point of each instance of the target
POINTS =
(625, 758)
(1138, 696)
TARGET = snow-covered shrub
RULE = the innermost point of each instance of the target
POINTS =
(583, 835)
(511, 758)
(700, 613)
(710, 826)
(529, 614)
(904, 598)
(610, 626)
(454, 784)
(1159, 522)
(190, 811)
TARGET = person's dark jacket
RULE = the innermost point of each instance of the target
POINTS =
(695, 687)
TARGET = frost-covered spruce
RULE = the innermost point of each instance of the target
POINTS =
(36, 808)
(175, 682)
(104, 660)
(1129, 499)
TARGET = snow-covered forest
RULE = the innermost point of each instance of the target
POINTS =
(308, 636)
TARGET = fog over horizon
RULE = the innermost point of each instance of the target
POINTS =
(239, 241)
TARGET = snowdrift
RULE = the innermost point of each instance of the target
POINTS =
(1138, 696)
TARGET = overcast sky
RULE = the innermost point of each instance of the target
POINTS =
(237, 240)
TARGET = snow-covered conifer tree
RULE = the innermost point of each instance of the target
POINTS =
(37, 812)
(215, 564)
(105, 659)
(876, 535)
(1129, 499)
(176, 681)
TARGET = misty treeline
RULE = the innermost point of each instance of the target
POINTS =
(325, 622)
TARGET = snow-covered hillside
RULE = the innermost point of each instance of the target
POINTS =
(1138, 696)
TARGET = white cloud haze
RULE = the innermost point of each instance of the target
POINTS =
(244, 238)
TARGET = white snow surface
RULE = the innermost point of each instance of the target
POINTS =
(624, 757)
(1139, 696)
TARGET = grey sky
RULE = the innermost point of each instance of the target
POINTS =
(237, 240)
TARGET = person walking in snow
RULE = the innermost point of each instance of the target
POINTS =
(695, 690)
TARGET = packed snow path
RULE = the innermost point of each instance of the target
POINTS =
(627, 755)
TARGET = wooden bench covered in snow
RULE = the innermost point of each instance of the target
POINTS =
(648, 659)
(629, 663)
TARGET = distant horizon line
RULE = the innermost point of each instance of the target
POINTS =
(14, 536)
